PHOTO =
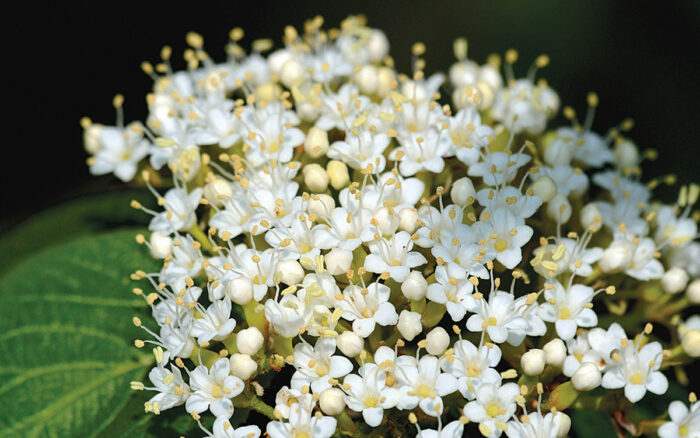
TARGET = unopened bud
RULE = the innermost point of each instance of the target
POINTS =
(559, 209)
(291, 272)
(690, 343)
(409, 324)
(587, 377)
(316, 143)
(462, 192)
(408, 219)
(414, 286)
(240, 290)
(544, 188)
(161, 245)
(591, 217)
(338, 261)
(315, 178)
(437, 341)
(332, 401)
(533, 361)
(249, 340)
(338, 174)
(243, 366)
(693, 292)
(555, 352)
(350, 344)
(674, 280)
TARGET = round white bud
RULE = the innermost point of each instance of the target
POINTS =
(690, 343)
(409, 324)
(291, 72)
(408, 219)
(559, 152)
(377, 46)
(693, 292)
(437, 341)
(414, 286)
(322, 206)
(544, 188)
(91, 138)
(626, 154)
(307, 111)
(332, 401)
(388, 222)
(291, 270)
(277, 59)
(240, 290)
(533, 361)
(217, 191)
(249, 341)
(367, 79)
(338, 174)
(591, 217)
(338, 261)
(615, 258)
(268, 92)
(161, 245)
(386, 79)
(315, 177)
(555, 352)
(674, 280)
(564, 424)
(586, 378)
(559, 209)
(316, 143)
(463, 192)
(350, 344)
(243, 366)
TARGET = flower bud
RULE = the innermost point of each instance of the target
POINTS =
(591, 217)
(555, 352)
(332, 401)
(91, 138)
(291, 270)
(587, 377)
(367, 79)
(243, 366)
(437, 341)
(268, 92)
(217, 191)
(693, 292)
(533, 361)
(378, 46)
(350, 344)
(386, 79)
(544, 188)
(559, 209)
(559, 152)
(249, 340)
(564, 424)
(277, 59)
(316, 143)
(409, 324)
(462, 192)
(388, 223)
(690, 343)
(291, 72)
(626, 154)
(338, 261)
(674, 280)
(161, 245)
(240, 290)
(615, 258)
(408, 219)
(414, 286)
(315, 177)
(338, 174)
(322, 206)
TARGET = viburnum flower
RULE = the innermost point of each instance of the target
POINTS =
(302, 423)
(452, 289)
(423, 384)
(498, 317)
(316, 365)
(568, 308)
(368, 306)
(494, 403)
(472, 366)
(685, 422)
(367, 392)
(393, 256)
(213, 389)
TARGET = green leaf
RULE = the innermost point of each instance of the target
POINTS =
(75, 218)
(66, 337)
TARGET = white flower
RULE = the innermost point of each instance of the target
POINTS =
(172, 389)
(504, 234)
(287, 315)
(340, 110)
(316, 365)
(423, 384)
(678, 231)
(524, 106)
(453, 429)
(472, 366)
(215, 322)
(366, 307)
(421, 151)
(119, 151)
(452, 289)
(536, 426)
(213, 389)
(393, 256)
(367, 392)
(566, 255)
(498, 317)
(633, 255)
(468, 135)
(509, 198)
(684, 422)
(493, 404)
(498, 168)
(223, 429)
(638, 371)
(344, 229)
(287, 397)
(302, 423)
(179, 214)
(568, 180)
(358, 151)
(568, 309)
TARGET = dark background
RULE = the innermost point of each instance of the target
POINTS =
(64, 61)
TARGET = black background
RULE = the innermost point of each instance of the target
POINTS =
(64, 61)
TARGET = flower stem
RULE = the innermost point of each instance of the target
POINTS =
(202, 238)
(260, 406)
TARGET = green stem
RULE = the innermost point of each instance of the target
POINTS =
(260, 406)
(346, 424)
(199, 235)
(255, 315)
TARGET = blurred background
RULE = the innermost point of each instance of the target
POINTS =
(63, 61)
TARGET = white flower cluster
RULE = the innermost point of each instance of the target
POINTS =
(328, 215)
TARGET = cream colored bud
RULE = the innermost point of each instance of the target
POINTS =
(559, 152)
(378, 46)
(559, 209)
(615, 258)
(322, 206)
(463, 192)
(693, 292)
(555, 352)
(332, 401)
(367, 79)
(544, 188)
(277, 59)
(386, 78)
(291, 272)
(243, 366)
(249, 341)
(388, 223)
(626, 154)
(338, 261)
(690, 343)
(316, 143)
(587, 377)
(564, 424)
(408, 219)
(437, 341)
(291, 73)
(414, 286)
(315, 177)
(161, 245)
(591, 217)
(217, 191)
(91, 138)
(338, 174)
(350, 344)
(674, 280)
(533, 361)
(409, 324)
(240, 290)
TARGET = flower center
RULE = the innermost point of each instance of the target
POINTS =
(259, 280)
(305, 247)
(473, 370)
(423, 391)
(683, 430)
(493, 410)
(636, 379)
(492, 320)
(564, 313)
(501, 245)
(370, 402)
(301, 435)
(216, 391)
